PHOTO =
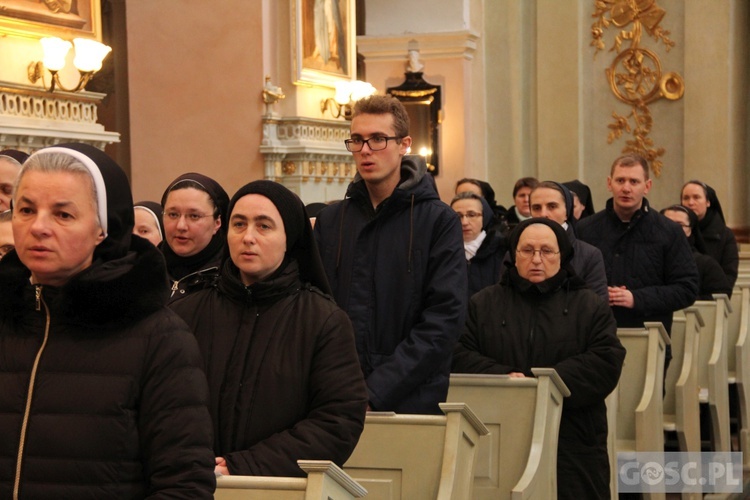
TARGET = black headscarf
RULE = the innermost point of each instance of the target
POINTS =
(714, 209)
(155, 209)
(696, 237)
(218, 196)
(584, 196)
(112, 186)
(313, 209)
(300, 242)
(14, 154)
(565, 277)
(563, 242)
(179, 266)
(488, 215)
(567, 198)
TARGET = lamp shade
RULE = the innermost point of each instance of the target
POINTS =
(89, 54)
(343, 92)
(360, 90)
(55, 50)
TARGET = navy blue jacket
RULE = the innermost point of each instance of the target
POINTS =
(399, 271)
(486, 267)
(651, 256)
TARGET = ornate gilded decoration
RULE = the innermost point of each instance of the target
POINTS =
(635, 75)
(288, 167)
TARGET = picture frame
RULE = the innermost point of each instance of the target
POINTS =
(66, 19)
(323, 41)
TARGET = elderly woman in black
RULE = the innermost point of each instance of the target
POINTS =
(719, 239)
(195, 218)
(102, 390)
(542, 315)
(283, 371)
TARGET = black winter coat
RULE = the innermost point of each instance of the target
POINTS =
(486, 267)
(711, 277)
(119, 406)
(205, 276)
(515, 325)
(721, 244)
(588, 264)
(400, 274)
(282, 369)
(651, 256)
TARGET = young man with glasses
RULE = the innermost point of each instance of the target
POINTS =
(394, 256)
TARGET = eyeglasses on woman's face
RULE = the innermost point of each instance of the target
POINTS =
(544, 253)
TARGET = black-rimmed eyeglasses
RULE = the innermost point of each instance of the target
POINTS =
(377, 143)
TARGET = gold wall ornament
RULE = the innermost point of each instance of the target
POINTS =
(635, 75)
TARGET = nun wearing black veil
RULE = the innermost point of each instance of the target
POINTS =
(102, 394)
(720, 242)
(284, 377)
(542, 315)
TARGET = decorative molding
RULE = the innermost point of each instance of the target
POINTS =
(635, 75)
(31, 119)
(303, 153)
(447, 45)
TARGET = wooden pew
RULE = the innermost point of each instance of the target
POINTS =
(712, 367)
(612, 408)
(639, 397)
(418, 457)
(325, 481)
(740, 362)
(518, 459)
(744, 267)
(681, 403)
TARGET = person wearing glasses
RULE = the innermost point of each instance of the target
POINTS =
(483, 247)
(394, 257)
(711, 277)
(484, 189)
(194, 221)
(542, 315)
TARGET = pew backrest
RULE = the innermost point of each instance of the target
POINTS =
(518, 459)
(640, 393)
(420, 457)
(324, 481)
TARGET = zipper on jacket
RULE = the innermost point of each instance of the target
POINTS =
(30, 393)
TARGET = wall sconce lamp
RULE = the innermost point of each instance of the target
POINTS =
(347, 93)
(89, 55)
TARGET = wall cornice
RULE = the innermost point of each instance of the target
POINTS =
(446, 45)
(303, 153)
(31, 118)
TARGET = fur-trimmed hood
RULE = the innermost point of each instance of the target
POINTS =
(108, 294)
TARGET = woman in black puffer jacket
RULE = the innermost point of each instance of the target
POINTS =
(102, 391)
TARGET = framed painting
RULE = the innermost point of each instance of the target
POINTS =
(62, 18)
(324, 48)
